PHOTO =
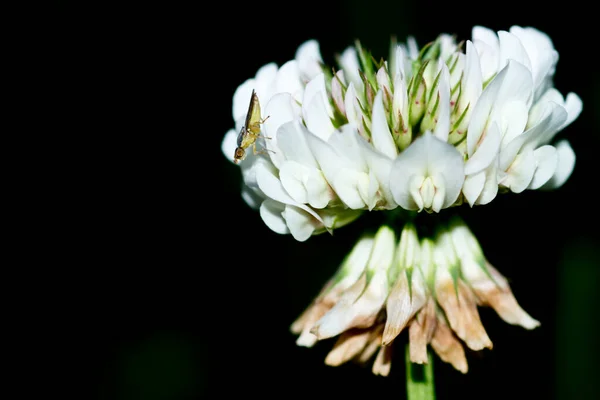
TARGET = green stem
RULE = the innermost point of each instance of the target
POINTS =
(419, 379)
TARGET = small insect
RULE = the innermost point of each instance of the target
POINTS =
(250, 131)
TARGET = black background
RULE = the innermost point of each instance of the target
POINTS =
(191, 295)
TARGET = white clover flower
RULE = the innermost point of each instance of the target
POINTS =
(427, 130)
(451, 124)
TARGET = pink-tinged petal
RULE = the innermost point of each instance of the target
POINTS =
(288, 80)
(486, 152)
(271, 214)
(229, 144)
(380, 132)
(565, 165)
(300, 223)
(546, 161)
(308, 56)
(241, 99)
(278, 111)
(442, 127)
(520, 173)
(291, 139)
(473, 186)
(511, 48)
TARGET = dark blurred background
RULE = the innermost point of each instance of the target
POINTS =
(191, 295)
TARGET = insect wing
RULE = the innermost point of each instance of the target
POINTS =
(253, 117)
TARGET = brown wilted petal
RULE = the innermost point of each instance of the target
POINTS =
(373, 345)
(420, 332)
(358, 307)
(461, 310)
(404, 301)
(383, 361)
(349, 345)
(448, 347)
(497, 294)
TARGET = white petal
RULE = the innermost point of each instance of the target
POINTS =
(229, 144)
(565, 165)
(347, 142)
(486, 35)
(442, 127)
(350, 65)
(351, 113)
(381, 167)
(293, 177)
(318, 190)
(270, 212)
(279, 110)
(427, 156)
(483, 109)
(472, 83)
(288, 80)
(412, 47)
(473, 186)
(513, 120)
(520, 173)
(546, 160)
(272, 187)
(488, 48)
(337, 91)
(309, 59)
(485, 153)
(241, 99)
(381, 137)
(299, 222)
(511, 48)
(573, 105)
(352, 187)
(266, 82)
(490, 188)
(555, 116)
(253, 197)
(317, 118)
(291, 139)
